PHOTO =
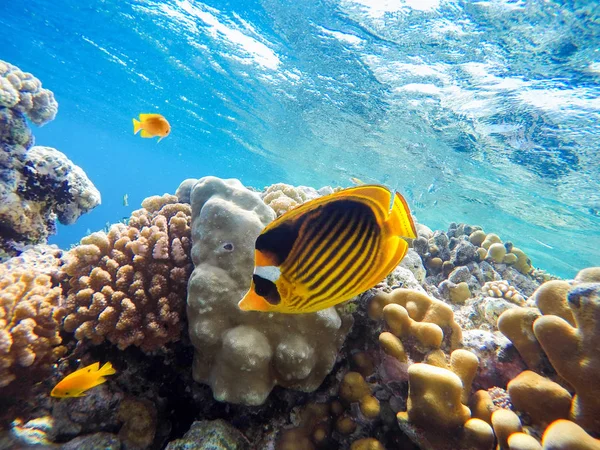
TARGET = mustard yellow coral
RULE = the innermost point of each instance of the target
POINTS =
(419, 307)
(574, 351)
(129, 286)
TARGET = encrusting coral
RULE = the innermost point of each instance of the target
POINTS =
(243, 355)
(30, 317)
(129, 286)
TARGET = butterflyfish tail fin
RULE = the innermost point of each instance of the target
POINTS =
(107, 369)
(400, 221)
(137, 126)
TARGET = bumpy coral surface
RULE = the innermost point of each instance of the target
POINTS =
(243, 355)
(283, 197)
(23, 92)
(129, 286)
(38, 185)
(30, 317)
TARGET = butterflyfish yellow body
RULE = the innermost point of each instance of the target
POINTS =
(152, 125)
(328, 250)
(76, 383)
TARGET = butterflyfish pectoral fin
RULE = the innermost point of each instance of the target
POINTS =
(252, 302)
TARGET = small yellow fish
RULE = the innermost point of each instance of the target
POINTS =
(328, 250)
(356, 181)
(75, 384)
(152, 125)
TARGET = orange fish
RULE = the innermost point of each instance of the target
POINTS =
(152, 125)
(75, 384)
(328, 250)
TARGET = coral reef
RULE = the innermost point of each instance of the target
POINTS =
(243, 355)
(38, 185)
(129, 286)
(463, 346)
(30, 317)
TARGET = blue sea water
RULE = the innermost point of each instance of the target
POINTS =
(484, 112)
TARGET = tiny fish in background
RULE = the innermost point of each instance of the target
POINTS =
(126, 200)
(356, 181)
(328, 250)
(152, 125)
(75, 384)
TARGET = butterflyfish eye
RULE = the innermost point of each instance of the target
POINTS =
(228, 246)
(266, 289)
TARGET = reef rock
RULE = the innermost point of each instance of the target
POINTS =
(37, 187)
(242, 355)
(37, 184)
(210, 435)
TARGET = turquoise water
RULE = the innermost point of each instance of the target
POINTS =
(480, 112)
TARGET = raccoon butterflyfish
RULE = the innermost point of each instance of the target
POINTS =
(152, 125)
(328, 250)
(76, 383)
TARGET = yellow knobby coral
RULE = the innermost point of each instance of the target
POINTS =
(434, 398)
(544, 400)
(574, 351)
(420, 308)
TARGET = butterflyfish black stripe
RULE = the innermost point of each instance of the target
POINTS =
(341, 259)
(315, 227)
(350, 262)
(351, 281)
(349, 208)
(335, 242)
(337, 263)
(328, 215)
(358, 251)
(336, 223)
(280, 240)
(369, 257)
(368, 265)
